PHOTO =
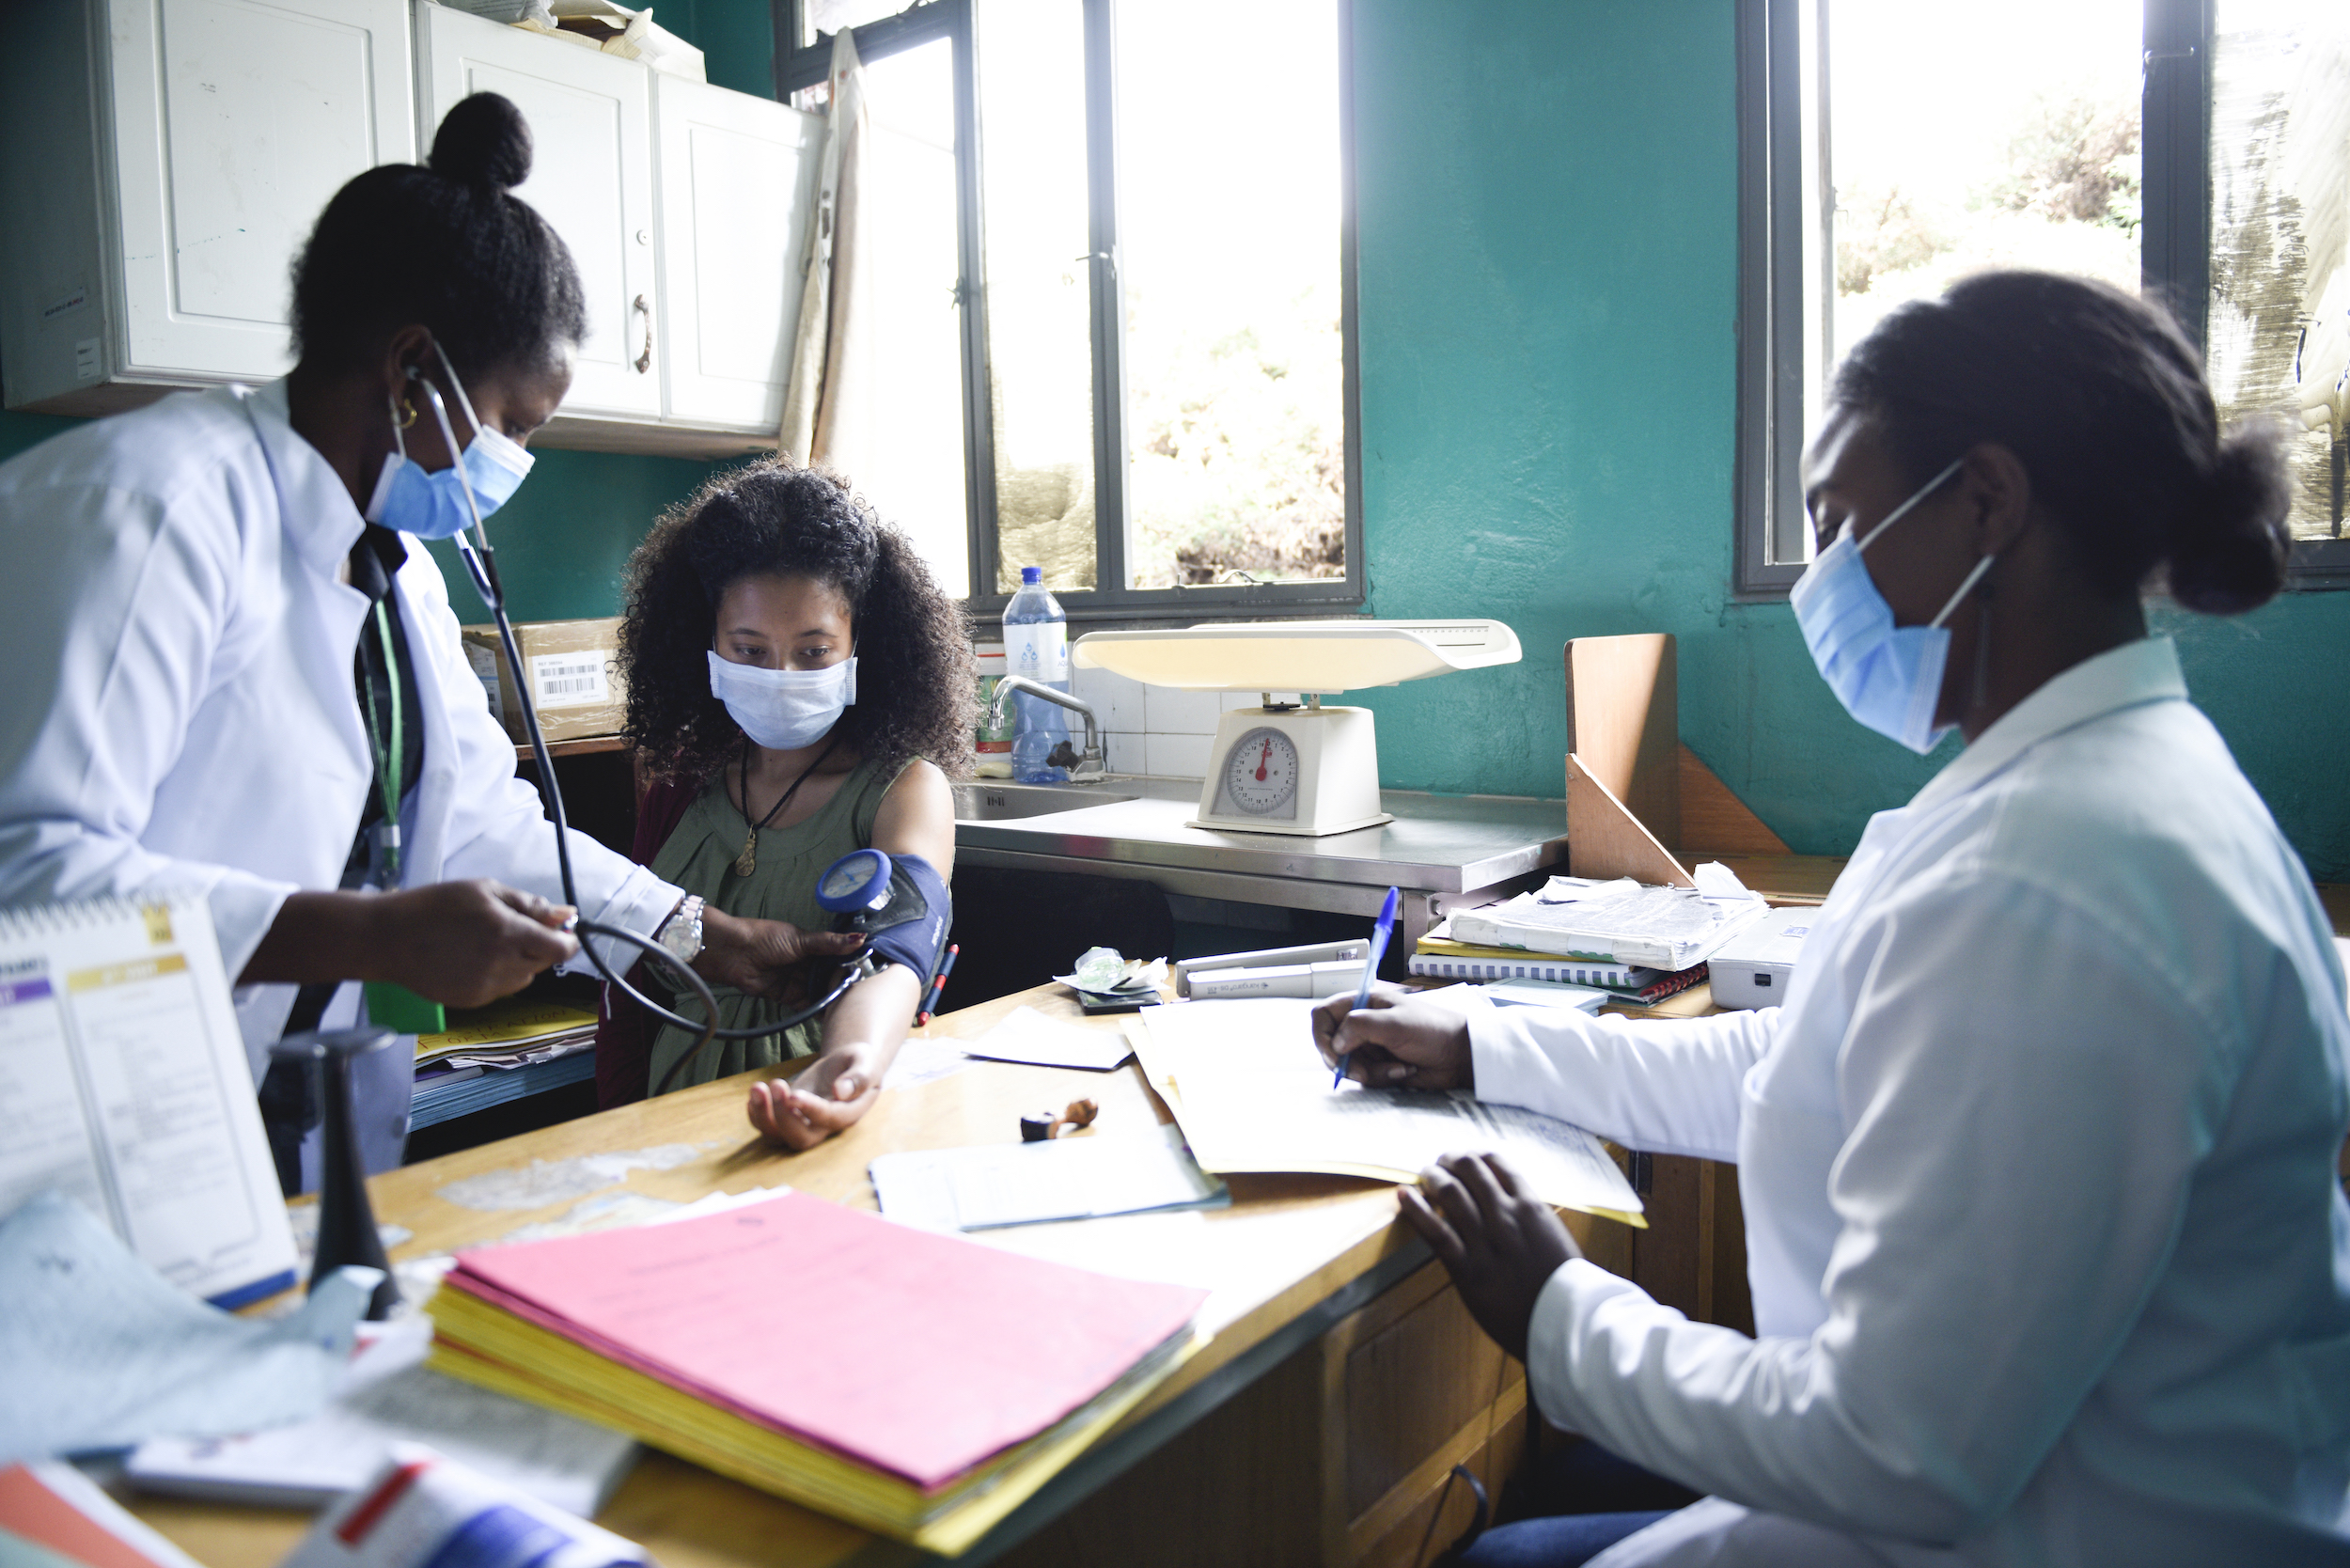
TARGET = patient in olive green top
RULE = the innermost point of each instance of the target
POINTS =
(700, 855)
(798, 687)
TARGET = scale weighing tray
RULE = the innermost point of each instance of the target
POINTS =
(1283, 767)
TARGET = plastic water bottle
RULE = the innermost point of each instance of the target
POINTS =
(1036, 645)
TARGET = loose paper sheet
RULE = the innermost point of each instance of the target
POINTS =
(1252, 1093)
(102, 1351)
(1025, 1183)
(388, 1395)
(1026, 1035)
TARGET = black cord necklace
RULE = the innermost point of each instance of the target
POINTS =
(747, 862)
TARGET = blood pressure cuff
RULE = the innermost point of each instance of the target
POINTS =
(911, 928)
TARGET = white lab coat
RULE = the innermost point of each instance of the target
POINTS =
(181, 715)
(2049, 1261)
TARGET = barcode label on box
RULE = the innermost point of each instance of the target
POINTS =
(570, 680)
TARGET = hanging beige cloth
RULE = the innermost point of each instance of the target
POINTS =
(824, 418)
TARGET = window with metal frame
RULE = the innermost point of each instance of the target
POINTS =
(1152, 296)
(2195, 149)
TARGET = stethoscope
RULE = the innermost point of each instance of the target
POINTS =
(844, 889)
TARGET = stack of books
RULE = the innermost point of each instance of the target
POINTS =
(974, 1376)
(1643, 942)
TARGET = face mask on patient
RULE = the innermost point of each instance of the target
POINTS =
(783, 710)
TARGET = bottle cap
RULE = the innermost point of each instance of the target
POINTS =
(1033, 575)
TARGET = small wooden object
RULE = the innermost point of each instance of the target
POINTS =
(1041, 1129)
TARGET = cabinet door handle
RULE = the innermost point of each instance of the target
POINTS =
(643, 361)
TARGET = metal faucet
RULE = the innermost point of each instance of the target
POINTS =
(1086, 769)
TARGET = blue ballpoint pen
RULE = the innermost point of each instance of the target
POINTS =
(1379, 936)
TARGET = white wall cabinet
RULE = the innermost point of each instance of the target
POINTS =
(591, 177)
(165, 160)
(737, 185)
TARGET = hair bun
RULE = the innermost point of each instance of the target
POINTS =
(2230, 554)
(483, 143)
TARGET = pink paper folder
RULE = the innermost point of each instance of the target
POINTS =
(915, 1353)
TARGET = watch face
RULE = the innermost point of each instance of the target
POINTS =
(1260, 773)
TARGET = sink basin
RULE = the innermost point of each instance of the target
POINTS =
(989, 801)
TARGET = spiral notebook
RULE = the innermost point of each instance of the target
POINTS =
(123, 1083)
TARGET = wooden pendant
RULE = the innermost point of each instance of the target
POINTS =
(747, 862)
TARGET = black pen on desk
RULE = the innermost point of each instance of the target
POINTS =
(1385, 929)
(938, 985)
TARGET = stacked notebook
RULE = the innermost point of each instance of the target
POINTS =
(1440, 956)
(973, 1377)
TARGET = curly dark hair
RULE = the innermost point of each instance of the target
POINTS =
(917, 693)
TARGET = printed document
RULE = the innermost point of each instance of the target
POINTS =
(1252, 1093)
(123, 1085)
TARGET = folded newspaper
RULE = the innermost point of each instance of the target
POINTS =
(1623, 921)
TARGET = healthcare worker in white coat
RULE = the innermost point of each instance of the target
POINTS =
(2050, 1262)
(226, 650)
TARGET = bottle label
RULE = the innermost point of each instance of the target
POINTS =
(1039, 650)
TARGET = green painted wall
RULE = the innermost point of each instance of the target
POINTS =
(1547, 310)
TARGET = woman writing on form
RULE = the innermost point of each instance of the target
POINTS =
(2049, 1260)
(233, 671)
(796, 682)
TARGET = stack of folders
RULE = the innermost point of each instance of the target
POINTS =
(991, 1373)
(501, 1037)
(1438, 956)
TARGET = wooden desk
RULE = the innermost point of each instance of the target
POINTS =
(1344, 1380)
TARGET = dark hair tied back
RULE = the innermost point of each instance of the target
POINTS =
(484, 143)
(2230, 554)
(444, 246)
(2103, 399)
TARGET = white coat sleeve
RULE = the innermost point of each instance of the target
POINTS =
(498, 828)
(114, 612)
(1667, 1086)
(2026, 1092)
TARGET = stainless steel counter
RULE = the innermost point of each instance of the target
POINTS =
(1442, 851)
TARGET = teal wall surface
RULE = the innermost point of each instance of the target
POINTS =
(1547, 271)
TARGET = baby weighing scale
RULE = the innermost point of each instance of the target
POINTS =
(1295, 767)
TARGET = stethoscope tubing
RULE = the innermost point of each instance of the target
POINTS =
(480, 565)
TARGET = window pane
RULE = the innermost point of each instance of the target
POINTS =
(1229, 191)
(2009, 140)
(2279, 326)
(821, 17)
(908, 335)
(1038, 296)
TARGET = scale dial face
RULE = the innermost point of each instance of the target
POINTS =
(1260, 773)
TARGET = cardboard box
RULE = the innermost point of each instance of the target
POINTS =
(574, 676)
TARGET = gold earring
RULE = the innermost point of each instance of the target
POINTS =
(408, 409)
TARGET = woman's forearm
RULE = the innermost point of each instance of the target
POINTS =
(877, 1012)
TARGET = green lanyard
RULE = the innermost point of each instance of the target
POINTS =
(383, 854)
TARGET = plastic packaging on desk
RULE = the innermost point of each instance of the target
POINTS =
(1036, 645)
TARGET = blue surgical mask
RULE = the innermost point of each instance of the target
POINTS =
(784, 709)
(1887, 677)
(433, 505)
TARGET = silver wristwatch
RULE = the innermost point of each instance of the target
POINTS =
(681, 935)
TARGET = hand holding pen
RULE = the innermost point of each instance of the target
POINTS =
(1379, 938)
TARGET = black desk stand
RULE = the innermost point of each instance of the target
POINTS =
(347, 1232)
